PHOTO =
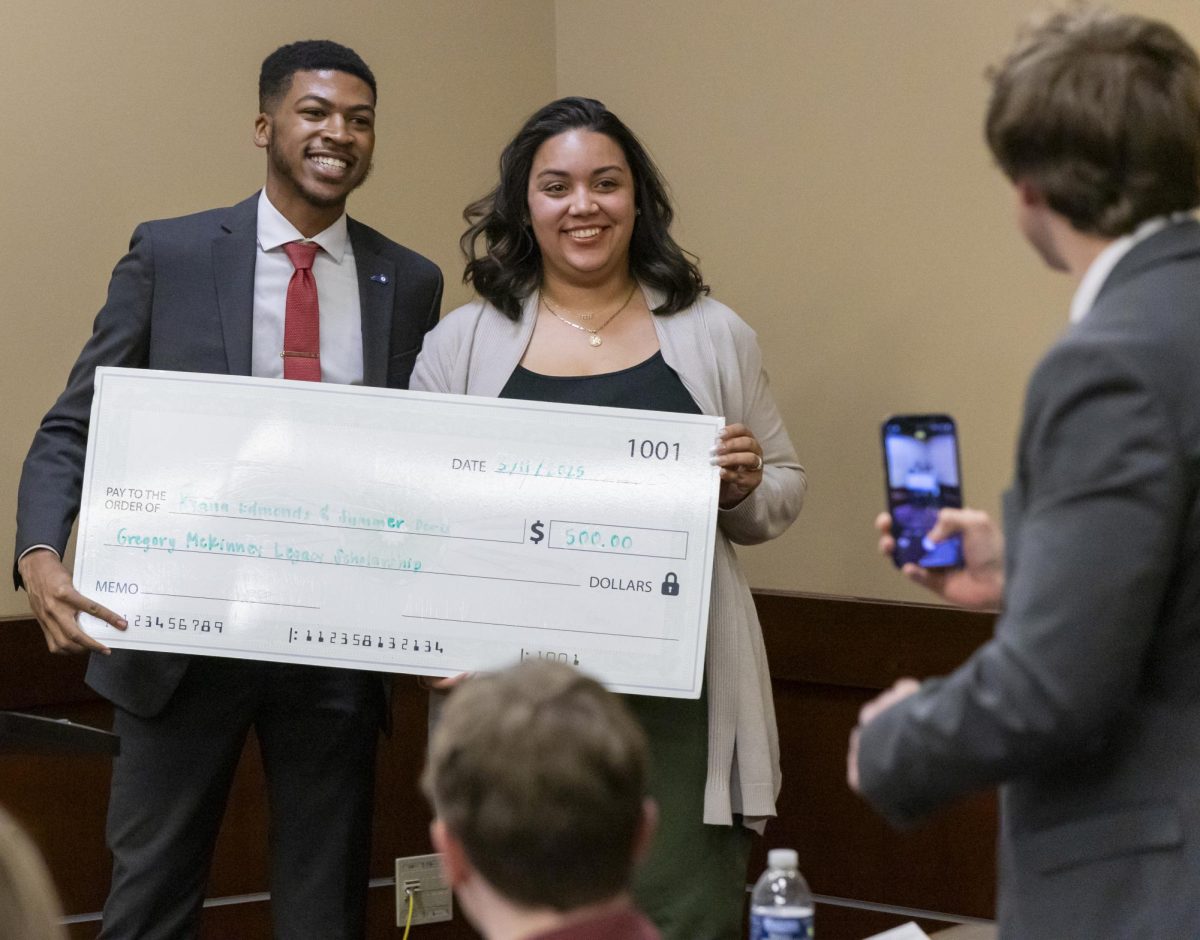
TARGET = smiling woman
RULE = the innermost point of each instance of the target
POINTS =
(581, 209)
(585, 298)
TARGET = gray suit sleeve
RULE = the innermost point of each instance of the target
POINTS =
(1103, 489)
(52, 475)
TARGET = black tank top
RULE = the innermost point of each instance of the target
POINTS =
(650, 386)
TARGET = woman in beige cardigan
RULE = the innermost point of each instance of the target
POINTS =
(584, 297)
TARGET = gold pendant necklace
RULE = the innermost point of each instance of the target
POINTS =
(594, 339)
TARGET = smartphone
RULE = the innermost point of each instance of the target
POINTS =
(920, 463)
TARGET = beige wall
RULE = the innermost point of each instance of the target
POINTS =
(829, 170)
(825, 156)
(124, 111)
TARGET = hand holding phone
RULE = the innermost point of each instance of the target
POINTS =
(979, 583)
(921, 469)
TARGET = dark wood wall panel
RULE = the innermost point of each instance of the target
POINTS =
(828, 655)
(62, 801)
(864, 644)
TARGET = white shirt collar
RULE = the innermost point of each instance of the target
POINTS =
(274, 231)
(1102, 266)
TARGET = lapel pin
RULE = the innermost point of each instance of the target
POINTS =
(379, 278)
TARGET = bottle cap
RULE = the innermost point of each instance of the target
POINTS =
(783, 858)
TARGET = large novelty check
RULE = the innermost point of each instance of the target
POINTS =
(398, 531)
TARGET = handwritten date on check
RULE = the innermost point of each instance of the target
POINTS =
(398, 531)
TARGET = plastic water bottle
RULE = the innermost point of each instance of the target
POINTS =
(781, 907)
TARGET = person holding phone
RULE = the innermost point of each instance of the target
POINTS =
(585, 298)
(1085, 706)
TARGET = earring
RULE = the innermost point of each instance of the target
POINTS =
(637, 211)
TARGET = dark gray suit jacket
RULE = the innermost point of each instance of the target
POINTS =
(183, 299)
(1086, 704)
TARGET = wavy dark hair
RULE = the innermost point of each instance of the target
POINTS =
(510, 265)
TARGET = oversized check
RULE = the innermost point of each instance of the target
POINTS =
(398, 531)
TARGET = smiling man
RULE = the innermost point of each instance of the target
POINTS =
(283, 284)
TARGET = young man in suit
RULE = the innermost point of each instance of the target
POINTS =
(208, 293)
(1086, 704)
(537, 776)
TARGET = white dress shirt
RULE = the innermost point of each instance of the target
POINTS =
(336, 275)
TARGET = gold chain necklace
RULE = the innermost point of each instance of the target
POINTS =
(593, 334)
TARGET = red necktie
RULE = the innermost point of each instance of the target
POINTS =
(301, 323)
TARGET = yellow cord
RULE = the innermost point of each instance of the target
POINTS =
(408, 920)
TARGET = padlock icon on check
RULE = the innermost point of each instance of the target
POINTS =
(670, 585)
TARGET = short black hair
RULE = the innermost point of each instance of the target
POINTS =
(308, 55)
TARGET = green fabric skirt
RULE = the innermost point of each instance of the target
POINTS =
(693, 883)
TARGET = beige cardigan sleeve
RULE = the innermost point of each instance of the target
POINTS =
(717, 356)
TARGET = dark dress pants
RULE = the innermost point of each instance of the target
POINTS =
(317, 730)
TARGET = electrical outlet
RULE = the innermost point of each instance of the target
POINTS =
(433, 901)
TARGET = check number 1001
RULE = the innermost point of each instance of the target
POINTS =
(653, 450)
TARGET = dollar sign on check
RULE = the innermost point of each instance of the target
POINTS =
(535, 532)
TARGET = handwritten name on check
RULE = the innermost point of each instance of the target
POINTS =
(398, 531)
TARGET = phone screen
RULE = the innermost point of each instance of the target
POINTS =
(920, 455)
